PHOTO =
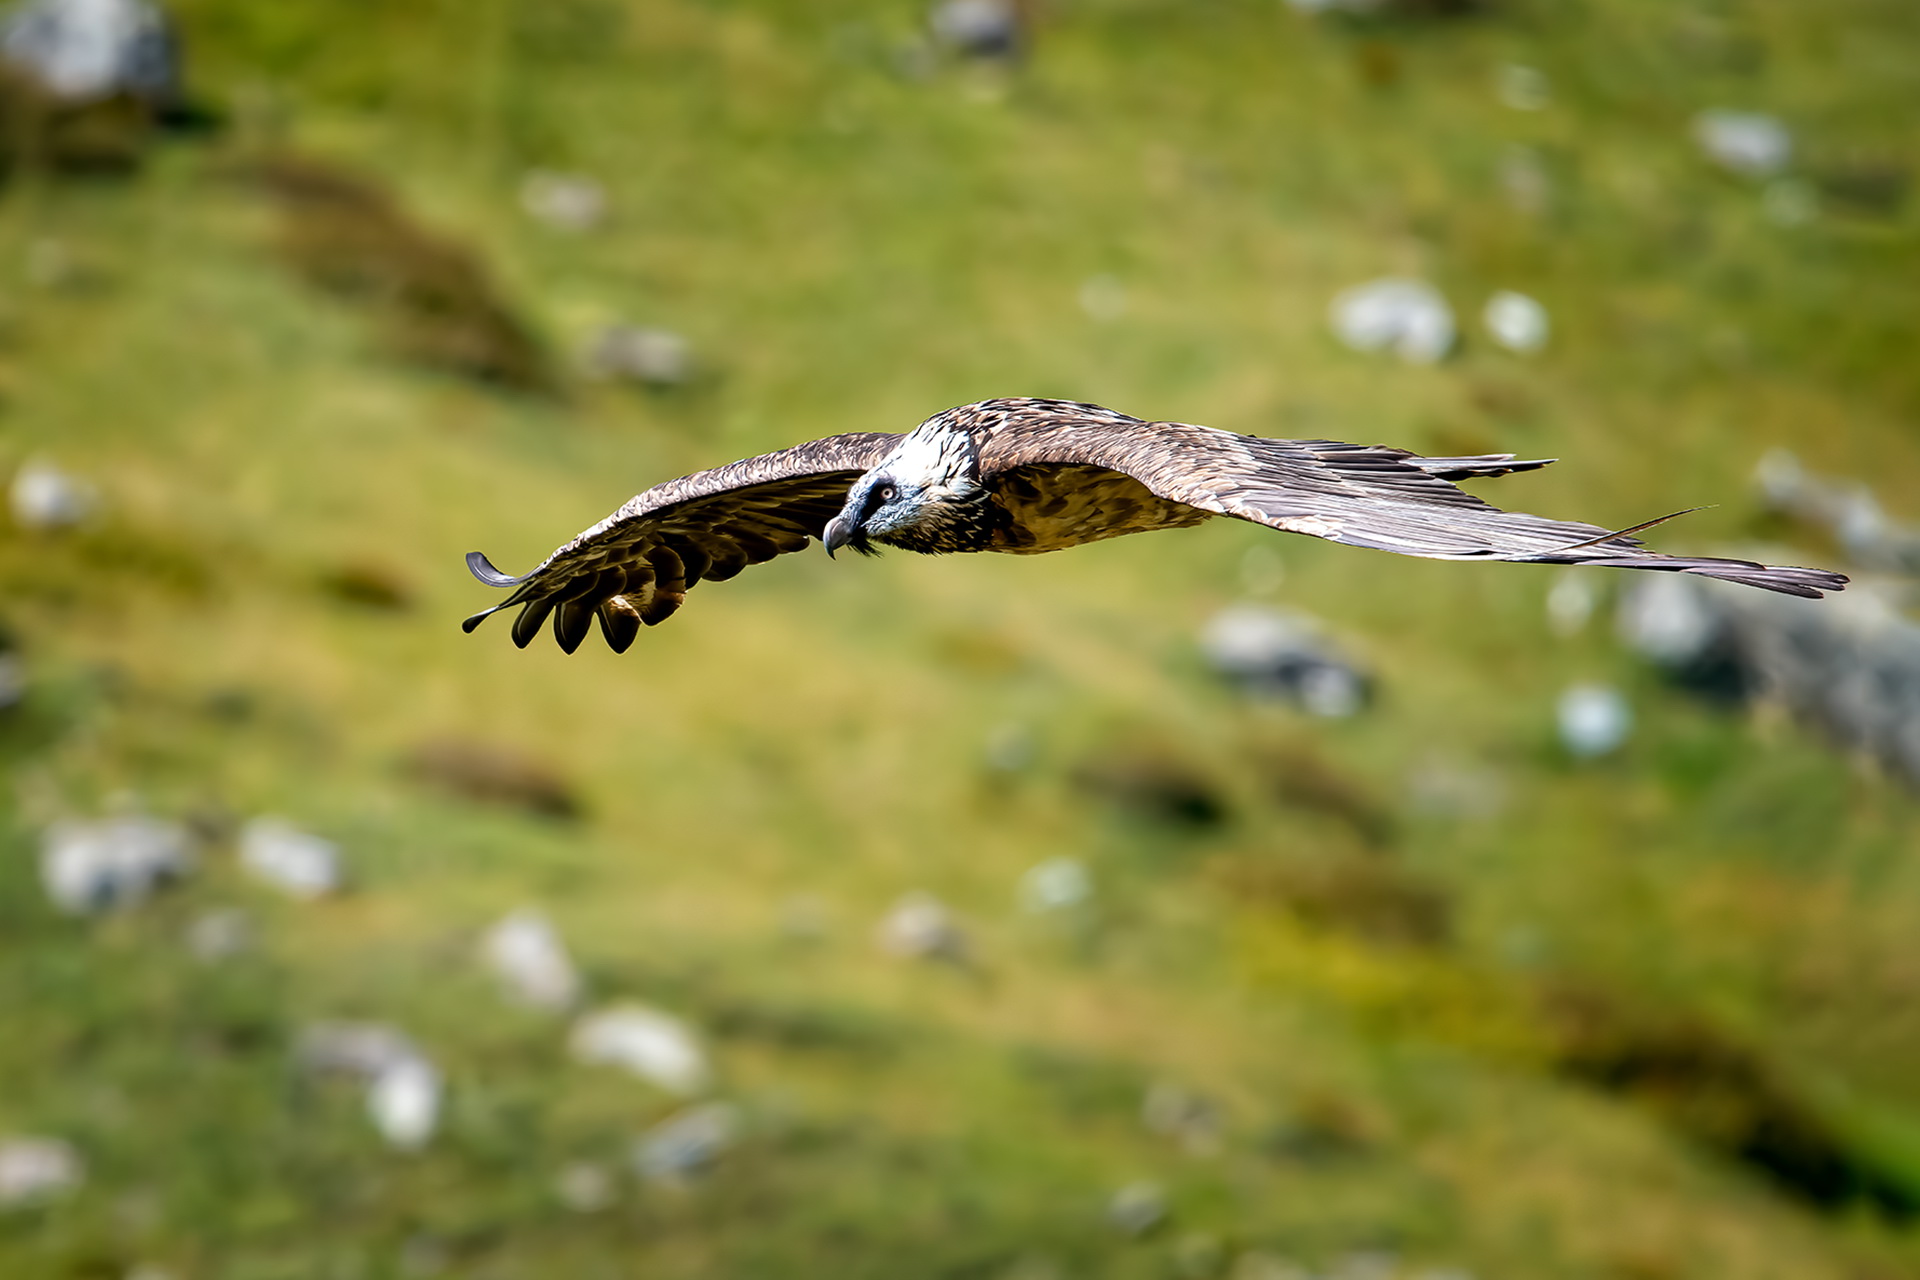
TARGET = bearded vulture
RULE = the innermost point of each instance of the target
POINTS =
(1027, 476)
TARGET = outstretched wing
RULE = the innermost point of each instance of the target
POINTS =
(1363, 496)
(636, 566)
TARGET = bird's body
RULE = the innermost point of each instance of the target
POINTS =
(1031, 476)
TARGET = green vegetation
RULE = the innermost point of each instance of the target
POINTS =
(1547, 1041)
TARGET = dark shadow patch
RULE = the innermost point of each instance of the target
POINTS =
(1150, 783)
(1301, 779)
(1721, 1094)
(368, 584)
(1348, 893)
(437, 305)
(494, 774)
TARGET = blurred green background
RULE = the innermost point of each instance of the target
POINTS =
(1413, 991)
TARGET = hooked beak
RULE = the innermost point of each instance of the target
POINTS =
(838, 533)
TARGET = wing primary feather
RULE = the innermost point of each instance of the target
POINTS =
(527, 625)
(1629, 531)
(571, 622)
(482, 568)
(619, 623)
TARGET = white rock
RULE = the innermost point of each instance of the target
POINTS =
(114, 862)
(1173, 1112)
(1516, 322)
(919, 927)
(36, 1169)
(1137, 1208)
(403, 1100)
(655, 1046)
(86, 50)
(653, 357)
(1406, 317)
(1594, 720)
(531, 961)
(1522, 88)
(1744, 142)
(364, 1050)
(219, 934)
(1058, 884)
(1280, 653)
(1668, 619)
(983, 28)
(1571, 601)
(585, 1187)
(686, 1142)
(45, 497)
(565, 201)
(290, 859)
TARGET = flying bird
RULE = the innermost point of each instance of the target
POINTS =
(1029, 476)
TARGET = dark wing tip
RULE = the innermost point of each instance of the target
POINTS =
(482, 568)
(477, 619)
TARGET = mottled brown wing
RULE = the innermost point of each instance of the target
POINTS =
(635, 567)
(1363, 496)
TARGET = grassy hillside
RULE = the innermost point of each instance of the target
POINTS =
(1569, 1035)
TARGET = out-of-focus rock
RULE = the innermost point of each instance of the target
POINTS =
(979, 28)
(1137, 1208)
(1666, 620)
(404, 1103)
(1522, 88)
(655, 1046)
(363, 1050)
(1849, 664)
(1407, 317)
(83, 51)
(1516, 322)
(403, 1089)
(1058, 884)
(43, 497)
(1846, 509)
(920, 927)
(1571, 600)
(219, 934)
(1189, 1119)
(1594, 720)
(33, 1170)
(526, 954)
(113, 862)
(1278, 653)
(1748, 143)
(564, 201)
(584, 1187)
(292, 860)
(633, 353)
(687, 1142)
(492, 773)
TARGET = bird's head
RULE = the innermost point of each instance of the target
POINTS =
(921, 496)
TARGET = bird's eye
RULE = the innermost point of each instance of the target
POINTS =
(886, 493)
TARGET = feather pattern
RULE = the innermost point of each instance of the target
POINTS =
(1031, 476)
